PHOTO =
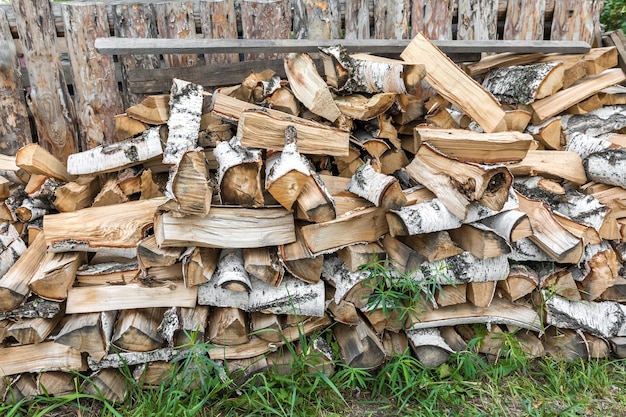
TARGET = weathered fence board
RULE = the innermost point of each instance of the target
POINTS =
(175, 21)
(265, 19)
(575, 19)
(316, 19)
(219, 21)
(391, 19)
(95, 89)
(433, 18)
(477, 20)
(15, 128)
(524, 19)
(357, 19)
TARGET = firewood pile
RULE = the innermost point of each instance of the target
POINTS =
(243, 217)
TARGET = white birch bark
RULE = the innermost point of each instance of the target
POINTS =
(184, 121)
(231, 270)
(230, 154)
(369, 184)
(465, 267)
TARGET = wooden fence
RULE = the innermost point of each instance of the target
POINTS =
(55, 88)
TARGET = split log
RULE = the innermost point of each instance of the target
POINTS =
(547, 133)
(366, 225)
(604, 319)
(505, 59)
(34, 330)
(119, 297)
(359, 346)
(360, 107)
(46, 356)
(561, 281)
(548, 234)
(287, 172)
(126, 127)
(192, 327)
(349, 286)
(11, 247)
(314, 203)
(77, 194)
(231, 273)
(136, 330)
(424, 217)
(239, 174)
(481, 293)
(228, 326)
(616, 292)
(520, 282)
(117, 156)
(90, 333)
(292, 296)
(258, 128)
(188, 185)
(551, 164)
(432, 246)
(309, 87)
(110, 194)
(500, 312)
(513, 225)
(368, 74)
(235, 227)
(112, 272)
(360, 254)
(402, 257)
(56, 383)
(35, 307)
(464, 268)
(91, 229)
(14, 284)
(480, 240)
(457, 184)
(56, 274)
(344, 312)
(184, 120)
(36, 160)
(382, 190)
(450, 295)
(152, 110)
(597, 123)
(264, 263)
(484, 148)
(22, 388)
(456, 86)
(150, 254)
(107, 383)
(429, 347)
(525, 84)
(266, 326)
(603, 270)
(299, 261)
(607, 167)
(562, 100)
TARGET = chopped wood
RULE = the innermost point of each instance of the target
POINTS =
(562, 100)
(93, 228)
(89, 332)
(56, 274)
(34, 330)
(450, 295)
(291, 296)
(118, 297)
(314, 203)
(349, 286)
(107, 383)
(505, 59)
(456, 86)
(188, 184)
(184, 120)
(35, 307)
(239, 174)
(192, 326)
(264, 264)
(231, 274)
(359, 346)
(110, 194)
(603, 271)
(433, 246)
(126, 127)
(56, 383)
(45, 356)
(382, 190)
(258, 128)
(36, 160)
(465, 267)
(227, 227)
(14, 284)
(429, 347)
(76, 195)
(481, 293)
(520, 282)
(111, 272)
(150, 254)
(500, 311)
(424, 217)
(482, 241)
(513, 225)
(228, 326)
(484, 148)
(360, 107)
(309, 87)
(457, 184)
(366, 225)
(525, 84)
(152, 110)
(287, 172)
(11, 247)
(604, 319)
(360, 254)
(117, 156)
(552, 164)
(136, 330)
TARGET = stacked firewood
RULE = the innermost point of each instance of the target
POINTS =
(242, 218)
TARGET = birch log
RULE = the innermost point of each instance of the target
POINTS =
(46, 356)
(238, 174)
(188, 185)
(184, 121)
(175, 20)
(433, 18)
(478, 19)
(117, 156)
(89, 332)
(526, 83)
(219, 21)
(231, 273)
(382, 190)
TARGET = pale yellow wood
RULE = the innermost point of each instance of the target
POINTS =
(552, 164)
(46, 356)
(36, 160)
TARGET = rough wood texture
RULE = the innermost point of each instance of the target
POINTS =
(359, 346)
(219, 21)
(524, 19)
(136, 330)
(525, 83)
(135, 21)
(433, 18)
(50, 101)
(15, 128)
(95, 86)
(316, 19)
(175, 20)
(456, 86)
(576, 20)
(551, 164)
(89, 332)
(46, 356)
(189, 185)
(36, 160)
(184, 120)
(14, 284)
(391, 19)
(56, 275)
(478, 19)
(267, 19)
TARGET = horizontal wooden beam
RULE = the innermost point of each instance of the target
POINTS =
(121, 46)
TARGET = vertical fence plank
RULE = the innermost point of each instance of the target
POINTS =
(357, 19)
(433, 18)
(175, 21)
(265, 19)
(135, 21)
(391, 19)
(96, 95)
(524, 19)
(15, 127)
(575, 20)
(219, 21)
(316, 19)
(478, 20)
(50, 101)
